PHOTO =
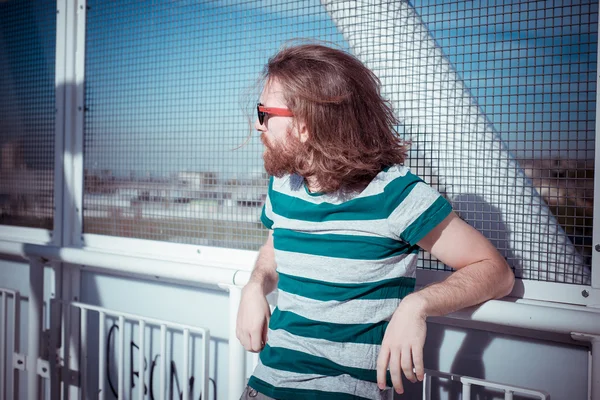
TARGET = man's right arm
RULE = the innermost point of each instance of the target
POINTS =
(254, 312)
(264, 274)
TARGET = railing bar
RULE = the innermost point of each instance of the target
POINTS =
(152, 321)
(205, 364)
(427, 387)
(84, 352)
(501, 386)
(186, 363)
(141, 374)
(508, 395)
(466, 391)
(15, 338)
(101, 354)
(121, 369)
(163, 360)
(3, 348)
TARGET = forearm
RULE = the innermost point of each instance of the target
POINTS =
(265, 274)
(471, 285)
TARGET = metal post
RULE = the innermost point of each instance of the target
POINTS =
(36, 300)
(142, 350)
(186, 363)
(593, 378)
(466, 391)
(101, 355)
(163, 361)
(3, 346)
(427, 387)
(237, 354)
(121, 366)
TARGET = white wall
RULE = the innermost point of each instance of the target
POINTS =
(539, 362)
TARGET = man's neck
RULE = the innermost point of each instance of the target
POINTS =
(312, 185)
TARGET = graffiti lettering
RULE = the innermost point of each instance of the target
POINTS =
(174, 385)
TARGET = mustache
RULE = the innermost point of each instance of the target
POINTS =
(265, 141)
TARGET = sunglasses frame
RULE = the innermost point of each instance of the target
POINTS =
(263, 111)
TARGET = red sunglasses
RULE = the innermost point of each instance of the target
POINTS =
(278, 112)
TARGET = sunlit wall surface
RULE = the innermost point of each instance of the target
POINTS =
(27, 112)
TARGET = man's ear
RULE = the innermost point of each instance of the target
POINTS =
(302, 133)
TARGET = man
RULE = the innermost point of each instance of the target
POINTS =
(346, 221)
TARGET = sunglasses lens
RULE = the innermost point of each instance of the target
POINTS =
(261, 115)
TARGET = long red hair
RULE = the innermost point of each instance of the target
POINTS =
(349, 124)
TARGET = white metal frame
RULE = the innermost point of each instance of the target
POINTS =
(124, 390)
(596, 223)
(468, 383)
(8, 361)
(186, 253)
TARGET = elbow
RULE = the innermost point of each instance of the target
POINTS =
(506, 281)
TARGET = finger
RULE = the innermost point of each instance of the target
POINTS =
(395, 372)
(407, 365)
(245, 341)
(382, 364)
(417, 356)
(256, 342)
(265, 333)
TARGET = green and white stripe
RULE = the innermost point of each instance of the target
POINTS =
(352, 355)
(344, 265)
(358, 311)
(327, 269)
(315, 386)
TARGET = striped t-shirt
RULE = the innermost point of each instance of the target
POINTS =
(344, 264)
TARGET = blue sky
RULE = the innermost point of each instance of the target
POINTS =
(165, 81)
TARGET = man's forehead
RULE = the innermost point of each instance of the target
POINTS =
(272, 91)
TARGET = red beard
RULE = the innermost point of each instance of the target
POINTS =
(282, 158)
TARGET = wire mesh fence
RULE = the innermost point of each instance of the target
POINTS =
(498, 100)
(27, 113)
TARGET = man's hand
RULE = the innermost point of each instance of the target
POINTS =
(253, 318)
(402, 346)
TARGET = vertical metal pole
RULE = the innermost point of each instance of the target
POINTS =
(237, 354)
(163, 361)
(205, 364)
(508, 395)
(594, 365)
(36, 301)
(466, 392)
(16, 323)
(141, 374)
(101, 356)
(84, 352)
(427, 387)
(121, 368)
(595, 267)
(595, 368)
(186, 362)
(3, 359)
(55, 332)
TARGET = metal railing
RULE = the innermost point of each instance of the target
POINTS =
(468, 383)
(123, 389)
(579, 322)
(9, 353)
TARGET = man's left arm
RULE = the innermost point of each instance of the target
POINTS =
(481, 274)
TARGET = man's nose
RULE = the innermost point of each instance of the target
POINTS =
(258, 126)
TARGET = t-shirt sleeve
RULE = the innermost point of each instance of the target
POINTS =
(267, 210)
(419, 208)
